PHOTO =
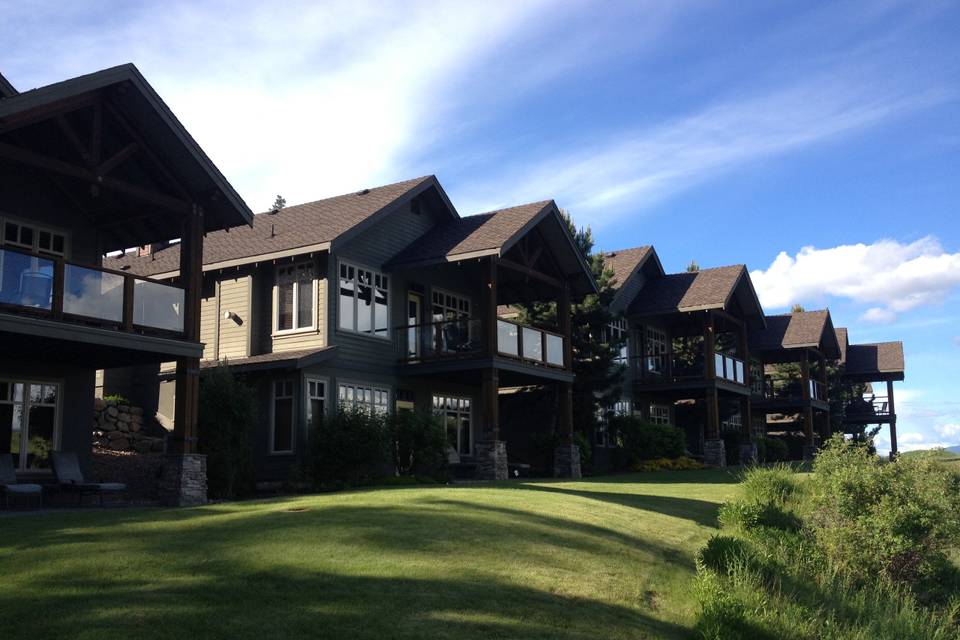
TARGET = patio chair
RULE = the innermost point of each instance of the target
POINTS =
(11, 488)
(66, 469)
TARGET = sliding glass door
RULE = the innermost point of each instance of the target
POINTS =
(28, 422)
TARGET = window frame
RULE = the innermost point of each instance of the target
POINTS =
(35, 244)
(442, 410)
(308, 415)
(621, 329)
(655, 335)
(26, 404)
(654, 410)
(273, 416)
(314, 291)
(372, 406)
(375, 277)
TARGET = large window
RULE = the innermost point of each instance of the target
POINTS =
(659, 414)
(655, 349)
(284, 417)
(451, 315)
(456, 415)
(604, 437)
(373, 399)
(316, 389)
(617, 333)
(295, 297)
(33, 238)
(364, 301)
(28, 422)
(732, 423)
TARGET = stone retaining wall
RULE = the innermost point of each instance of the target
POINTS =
(120, 427)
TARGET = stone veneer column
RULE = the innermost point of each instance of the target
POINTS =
(566, 461)
(714, 453)
(183, 480)
(491, 458)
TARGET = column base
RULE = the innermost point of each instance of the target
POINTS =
(566, 462)
(748, 453)
(183, 480)
(714, 453)
(491, 458)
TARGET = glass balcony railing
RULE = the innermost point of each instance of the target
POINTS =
(729, 368)
(466, 336)
(69, 291)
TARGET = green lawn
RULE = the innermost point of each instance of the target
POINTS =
(604, 558)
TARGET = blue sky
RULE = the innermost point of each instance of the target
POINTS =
(817, 143)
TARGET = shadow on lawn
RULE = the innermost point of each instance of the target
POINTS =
(265, 571)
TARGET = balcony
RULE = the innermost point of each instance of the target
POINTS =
(53, 289)
(465, 338)
(673, 368)
(780, 389)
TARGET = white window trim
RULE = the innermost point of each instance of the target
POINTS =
(57, 414)
(313, 328)
(307, 379)
(4, 218)
(659, 406)
(354, 331)
(273, 422)
(662, 353)
(365, 385)
(470, 415)
(453, 294)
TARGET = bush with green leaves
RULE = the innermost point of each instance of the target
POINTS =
(770, 485)
(419, 444)
(777, 450)
(350, 447)
(226, 420)
(646, 441)
(872, 517)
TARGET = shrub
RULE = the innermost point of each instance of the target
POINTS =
(731, 443)
(582, 440)
(776, 450)
(419, 444)
(895, 519)
(761, 449)
(115, 398)
(646, 441)
(683, 463)
(770, 485)
(350, 447)
(226, 420)
(749, 516)
(721, 552)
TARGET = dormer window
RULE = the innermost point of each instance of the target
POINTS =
(295, 297)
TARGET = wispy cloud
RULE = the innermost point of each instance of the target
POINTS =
(893, 276)
(634, 168)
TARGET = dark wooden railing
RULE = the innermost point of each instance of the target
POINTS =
(51, 287)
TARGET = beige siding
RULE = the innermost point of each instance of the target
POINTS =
(233, 338)
(208, 326)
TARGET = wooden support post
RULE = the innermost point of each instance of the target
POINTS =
(56, 302)
(893, 418)
(184, 437)
(128, 282)
(713, 414)
(564, 320)
(745, 354)
(824, 382)
(566, 413)
(490, 405)
(492, 307)
(807, 406)
(746, 414)
(709, 347)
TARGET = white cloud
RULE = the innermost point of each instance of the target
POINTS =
(895, 276)
(956, 340)
(951, 430)
(878, 315)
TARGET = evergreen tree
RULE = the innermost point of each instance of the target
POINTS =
(693, 267)
(598, 378)
(279, 203)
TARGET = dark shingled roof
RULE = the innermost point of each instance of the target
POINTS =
(624, 262)
(484, 233)
(876, 358)
(689, 291)
(297, 359)
(801, 329)
(6, 89)
(292, 227)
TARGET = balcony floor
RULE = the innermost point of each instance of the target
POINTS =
(467, 369)
(25, 337)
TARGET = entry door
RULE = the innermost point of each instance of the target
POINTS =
(28, 422)
(414, 329)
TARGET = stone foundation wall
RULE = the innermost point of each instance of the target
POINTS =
(566, 461)
(491, 460)
(183, 480)
(715, 453)
(120, 427)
